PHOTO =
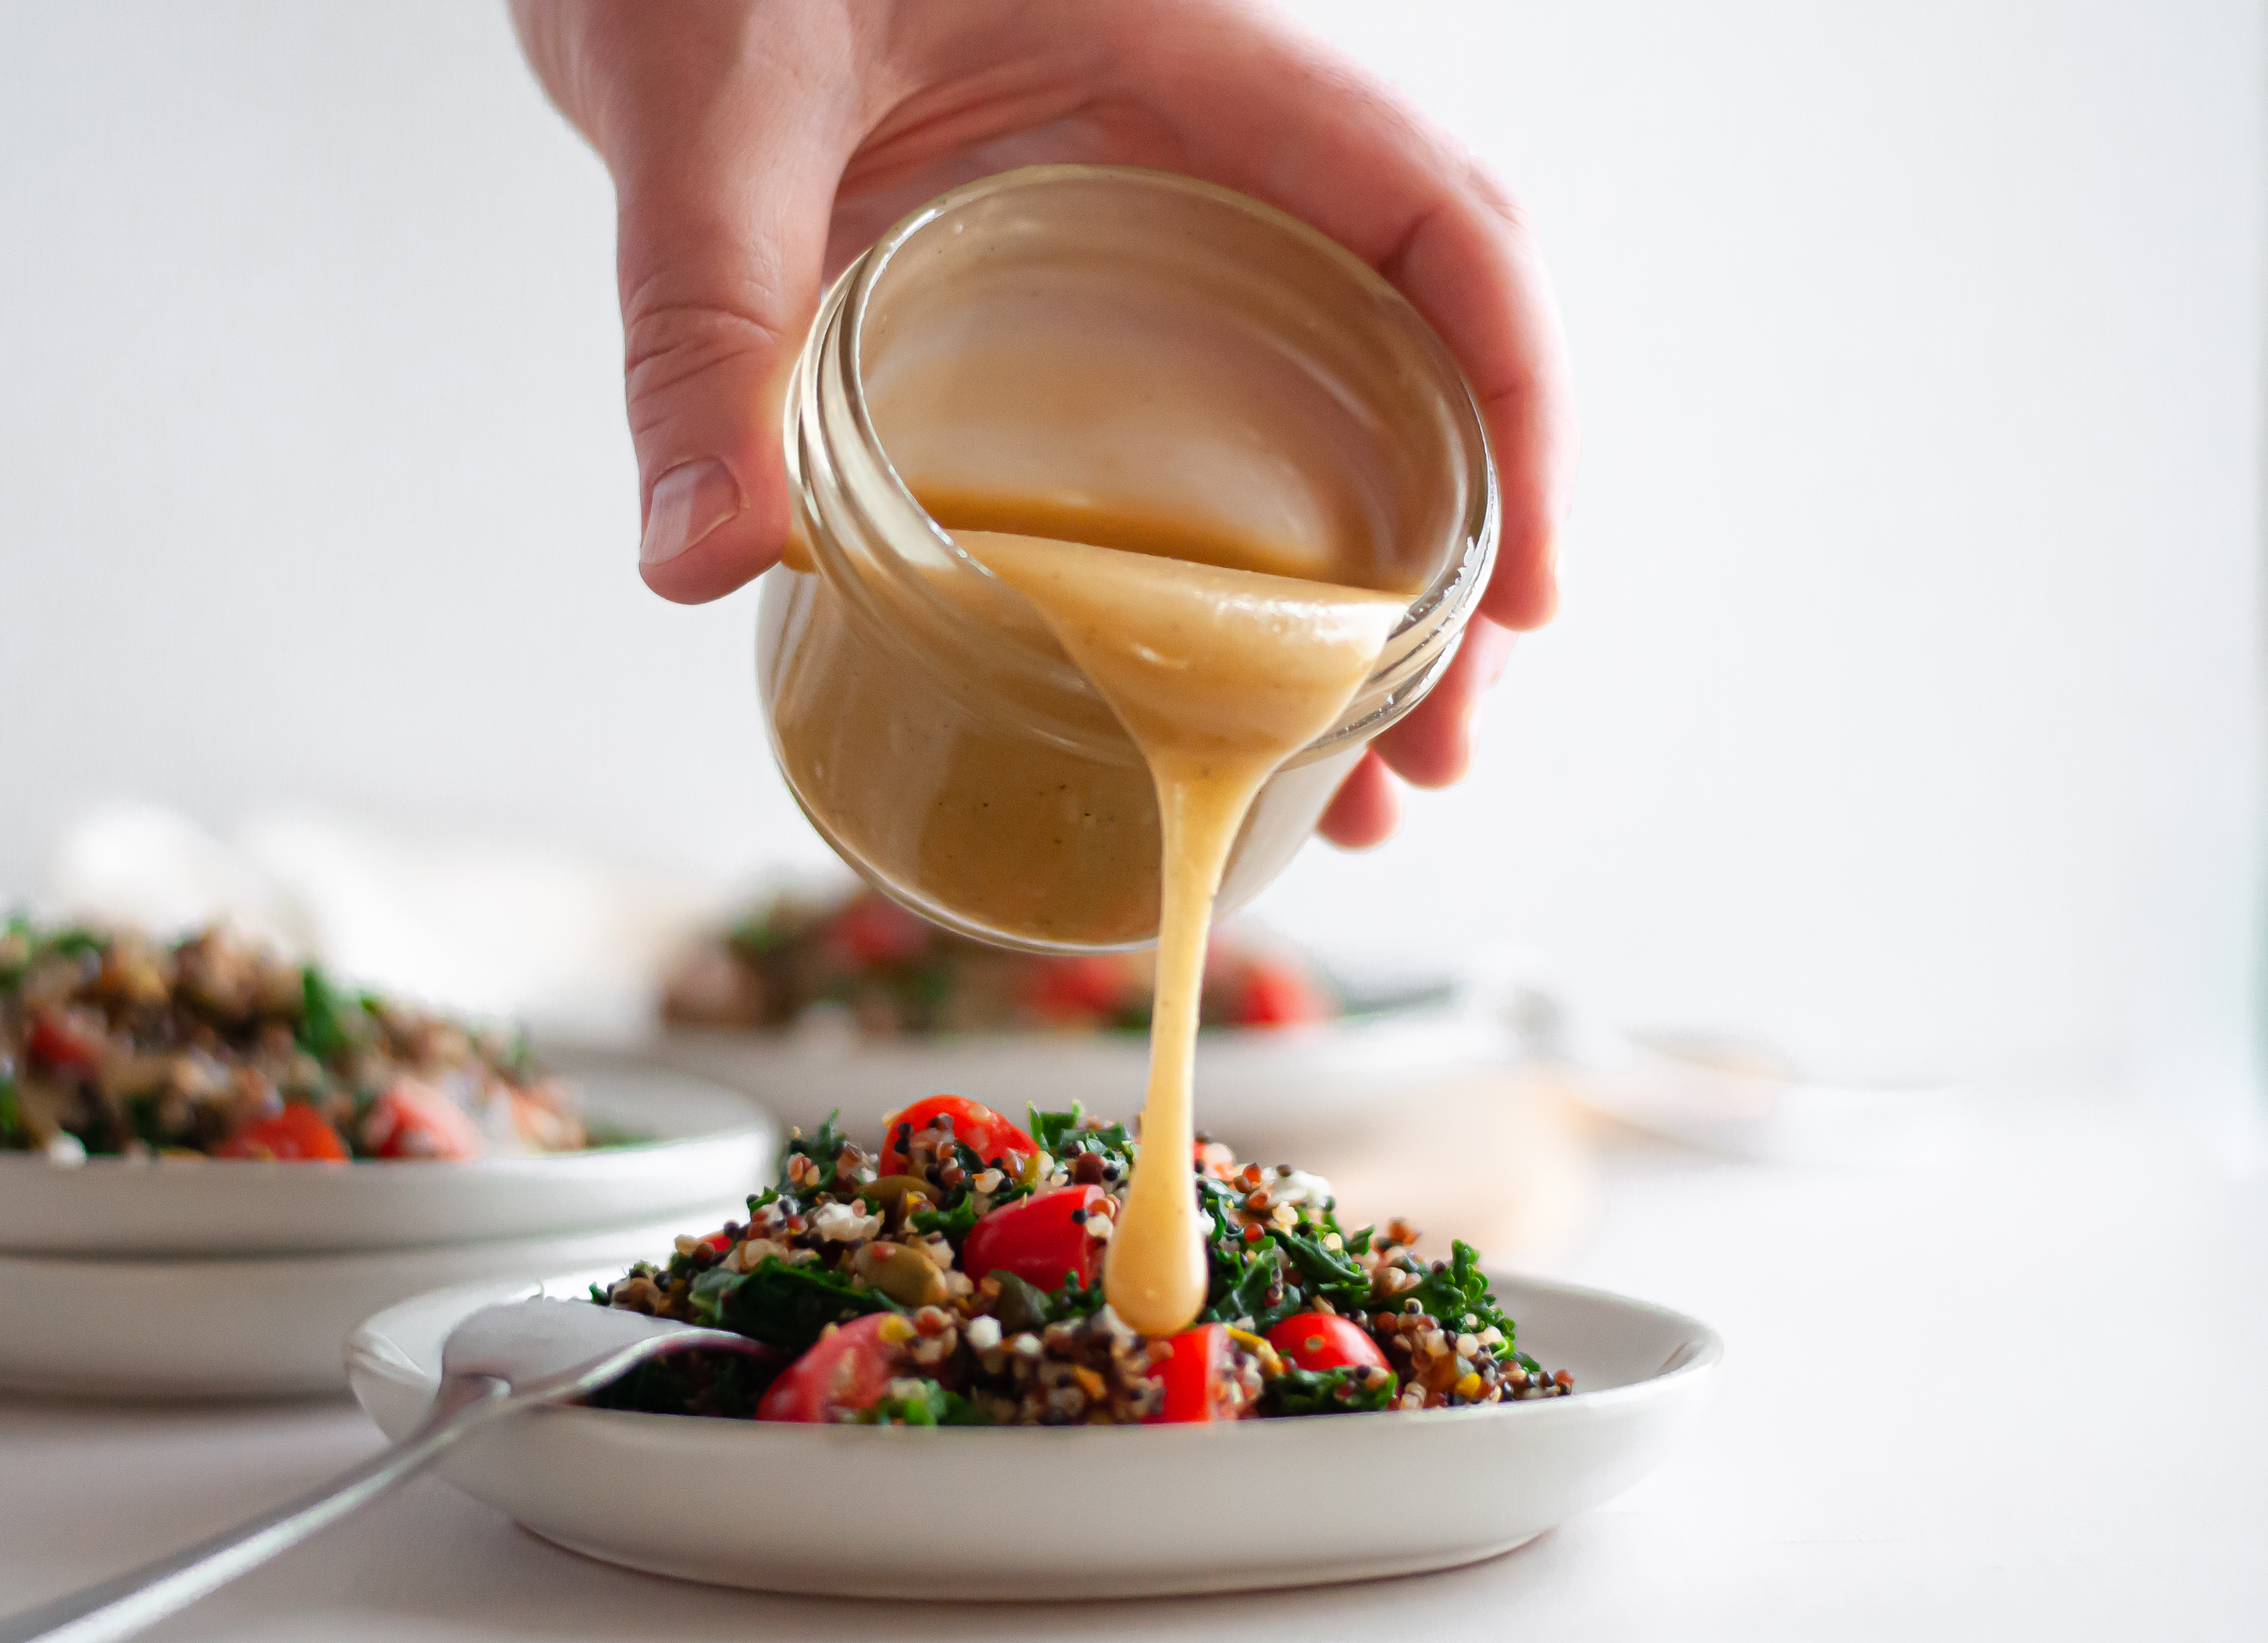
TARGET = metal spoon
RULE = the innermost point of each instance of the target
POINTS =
(499, 1360)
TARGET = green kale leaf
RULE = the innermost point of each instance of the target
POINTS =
(1240, 1289)
(953, 1223)
(822, 1148)
(328, 1017)
(932, 1406)
(1324, 1392)
(1024, 1306)
(1327, 1272)
(1458, 1294)
(781, 1305)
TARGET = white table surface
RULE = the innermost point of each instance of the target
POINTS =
(2025, 1393)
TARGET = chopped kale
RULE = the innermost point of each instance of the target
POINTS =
(781, 1305)
(1241, 1290)
(821, 1148)
(1023, 1306)
(1324, 1392)
(1458, 1294)
(953, 1223)
(1074, 1299)
(78, 942)
(1327, 1272)
(1067, 1134)
(694, 1383)
(325, 1014)
(932, 1405)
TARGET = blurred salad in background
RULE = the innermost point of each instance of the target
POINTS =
(895, 973)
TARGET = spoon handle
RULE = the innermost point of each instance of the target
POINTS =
(121, 1606)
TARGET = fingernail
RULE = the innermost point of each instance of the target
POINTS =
(688, 502)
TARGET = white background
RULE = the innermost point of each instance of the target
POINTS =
(1905, 703)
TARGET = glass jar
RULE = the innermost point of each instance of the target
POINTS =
(1060, 351)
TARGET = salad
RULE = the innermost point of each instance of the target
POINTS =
(113, 1044)
(952, 1276)
(896, 973)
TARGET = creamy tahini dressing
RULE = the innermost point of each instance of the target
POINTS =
(1219, 674)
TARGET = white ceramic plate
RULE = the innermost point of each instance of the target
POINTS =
(710, 1144)
(1255, 1081)
(258, 1326)
(1072, 1512)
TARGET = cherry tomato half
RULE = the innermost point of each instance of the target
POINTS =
(414, 1120)
(1193, 1374)
(1320, 1340)
(1076, 991)
(296, 1134)
(1042, 1239)
(848, 1369)
(875, 931)
(57, 1041)
(1276, 995)
(975, 1125)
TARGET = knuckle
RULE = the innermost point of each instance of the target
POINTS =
(665, 345)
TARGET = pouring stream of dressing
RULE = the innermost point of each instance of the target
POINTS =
(1220, 675)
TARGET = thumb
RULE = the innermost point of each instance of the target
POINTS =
(725, 175)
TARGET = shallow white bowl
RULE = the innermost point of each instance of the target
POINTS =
(257, 1326)
(1254, 1082)
(1072, 1512)
(710, 1144)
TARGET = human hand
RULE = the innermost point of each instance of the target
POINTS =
(758, 146)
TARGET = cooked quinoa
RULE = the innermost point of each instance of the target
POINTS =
(953, 1277)
(112, 1044)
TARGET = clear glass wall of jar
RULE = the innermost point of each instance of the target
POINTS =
(1087, 346)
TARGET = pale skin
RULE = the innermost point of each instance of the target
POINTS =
(758, 146)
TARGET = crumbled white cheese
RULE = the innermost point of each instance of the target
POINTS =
(842, 1223)
(984, 1333)
(1297, 1186)
(753, 1253)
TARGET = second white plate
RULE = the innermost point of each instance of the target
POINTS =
(709, 1145)
(258, 1326)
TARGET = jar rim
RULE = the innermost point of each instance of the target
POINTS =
(1427, 635)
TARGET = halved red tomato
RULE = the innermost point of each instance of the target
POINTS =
(874, 930)
(1078, 989)
(975, 1125)
(296, 1134)
(414, 1120)
(1276, 996)
(1042, 1239)
(848, 1369)
(59, 1041)
(1321, 1340)
(1193, 1374)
